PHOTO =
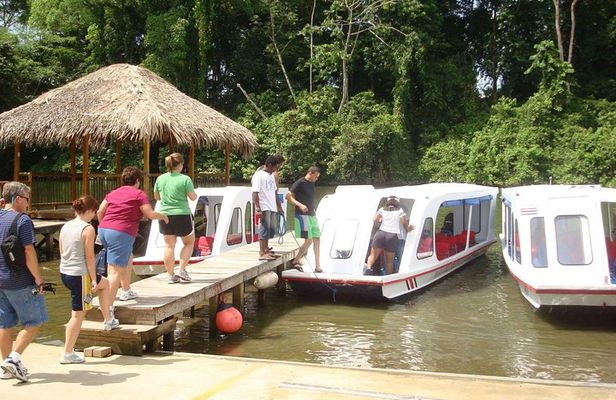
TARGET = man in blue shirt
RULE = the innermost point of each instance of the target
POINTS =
(21, 293)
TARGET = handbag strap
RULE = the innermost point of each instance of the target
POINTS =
(13, 230)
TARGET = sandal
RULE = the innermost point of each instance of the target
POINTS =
(297, 267)
(267, 257)
(318, 271)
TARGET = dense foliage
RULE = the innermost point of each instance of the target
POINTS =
(372, 91)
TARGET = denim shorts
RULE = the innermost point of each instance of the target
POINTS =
(119, 246)
(21, 306)
(268, 225)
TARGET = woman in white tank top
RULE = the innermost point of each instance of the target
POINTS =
(391, 219)
(78, 273)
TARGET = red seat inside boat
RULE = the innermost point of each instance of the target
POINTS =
(233, 239)
(204, 245)
(460, 240)
(425, 246)
(445, 246)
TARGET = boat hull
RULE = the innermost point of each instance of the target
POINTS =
(390, 287)
(550, 297)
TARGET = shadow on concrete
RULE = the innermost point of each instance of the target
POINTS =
(82, 377)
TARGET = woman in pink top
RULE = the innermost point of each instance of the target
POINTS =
(119, 215)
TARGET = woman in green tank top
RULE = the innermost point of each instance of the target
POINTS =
(172, 190)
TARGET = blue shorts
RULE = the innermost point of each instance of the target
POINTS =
(20, 305)
(119, 246)
(268, 224)
(81, 290)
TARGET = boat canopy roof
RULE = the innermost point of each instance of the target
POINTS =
(537, 194)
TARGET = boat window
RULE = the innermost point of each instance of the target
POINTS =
(573, 240)
(216, 215)
(450, 238)
(516, 235)
(248, 222)
(608, 211)
(234, 235)
(538, 249)
(201, 212)
(509, 233)
(344, 238)
(425, 248)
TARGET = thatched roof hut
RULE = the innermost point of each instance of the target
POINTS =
(126, 103)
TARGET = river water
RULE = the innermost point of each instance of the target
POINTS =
(474, 321)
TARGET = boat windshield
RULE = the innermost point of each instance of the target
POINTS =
(573, 240)
(608, 211)
(344, 237)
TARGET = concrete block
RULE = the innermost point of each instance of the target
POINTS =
(101, 352)
(87, 352)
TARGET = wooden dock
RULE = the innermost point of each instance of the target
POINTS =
(47, 228)
(159, 302)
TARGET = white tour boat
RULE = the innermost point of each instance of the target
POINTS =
(559, 243)
(429, 253)
(224, 219)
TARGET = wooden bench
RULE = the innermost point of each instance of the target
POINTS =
(127, 339)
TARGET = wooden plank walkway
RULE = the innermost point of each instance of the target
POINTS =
(159, 301)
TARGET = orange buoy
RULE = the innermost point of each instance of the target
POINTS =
(228, 318)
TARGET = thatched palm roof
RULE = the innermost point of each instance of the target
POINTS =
(124, 102)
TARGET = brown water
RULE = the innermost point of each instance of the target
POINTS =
(474, 321)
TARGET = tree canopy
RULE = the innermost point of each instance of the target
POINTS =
(497, 92)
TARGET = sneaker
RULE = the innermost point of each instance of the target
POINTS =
(183, 275)
(128, 295)
(113, 323)
(72, 358)
(15, 368)
(6, 375)
(173, 279)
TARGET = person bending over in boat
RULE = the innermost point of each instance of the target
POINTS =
(265, 199)
(301, 195)
(386, 238)
(173, 189)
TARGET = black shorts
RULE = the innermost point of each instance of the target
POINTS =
(179, 225)
(386, 241)
(81, 291)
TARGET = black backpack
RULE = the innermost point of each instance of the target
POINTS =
(12, 248)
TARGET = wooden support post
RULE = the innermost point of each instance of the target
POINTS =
(227, 166)
(212, 315)
(281, 285)
(16, 161)
(191, 162)
(238, 297)
(118, 157)
(169, 337)
(73, 171)
(261, 297)
(146, 167)
(192, 312)
(85, 178)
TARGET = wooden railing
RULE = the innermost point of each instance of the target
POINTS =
(202, 179)
(58, 190)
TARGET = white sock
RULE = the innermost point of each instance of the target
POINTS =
(15, 356)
